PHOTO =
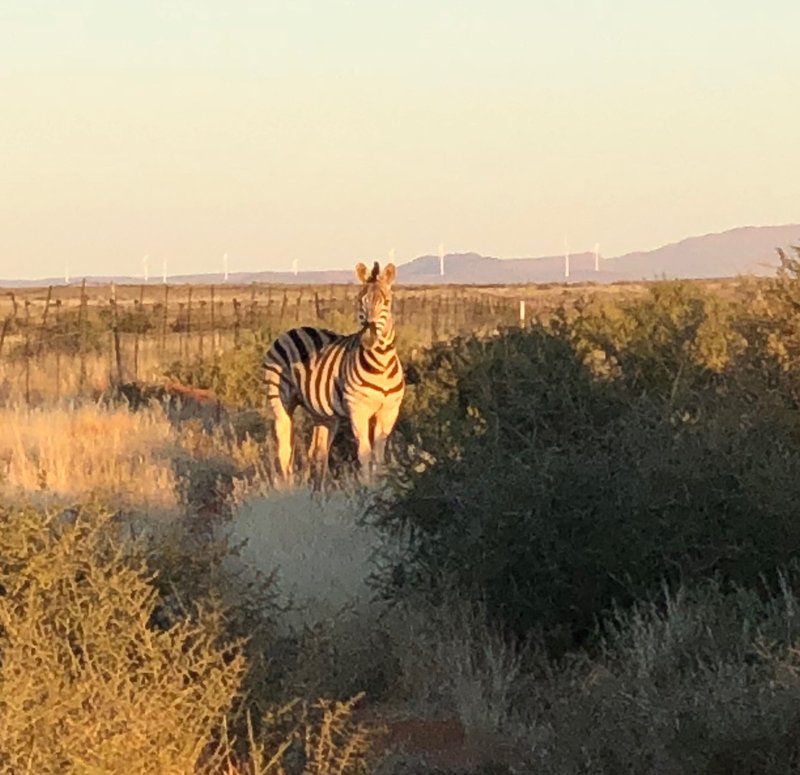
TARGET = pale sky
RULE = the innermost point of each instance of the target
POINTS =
(330, 131)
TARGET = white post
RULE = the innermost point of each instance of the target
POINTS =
(66, 273)
(294, 266)
(164, 270)
(597, 257)
(522, 312)
(441, 259)
(225, 268)
(145, 272)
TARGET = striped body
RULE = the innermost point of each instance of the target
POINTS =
(328, 373)
(355, 378)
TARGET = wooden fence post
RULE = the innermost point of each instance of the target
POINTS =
(164, 322)
(58, 351)
(27, 352)
(82, 338)
(189, 323)
(200, 327)
(138, 326)
(115, 334)
(236, 323)
(213, 326)
(284, 304)
(43, 327)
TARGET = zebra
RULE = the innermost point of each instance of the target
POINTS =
(334, 377)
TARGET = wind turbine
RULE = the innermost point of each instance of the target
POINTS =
(164, 270)
(294, 266)
(225, 267)
(66, 272)
(145, 269)
(597, 257)
(441, 259)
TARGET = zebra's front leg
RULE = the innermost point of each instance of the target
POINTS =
(283, 429)
(360, 422)
(385, 420)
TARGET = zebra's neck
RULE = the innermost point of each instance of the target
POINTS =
(381, 349)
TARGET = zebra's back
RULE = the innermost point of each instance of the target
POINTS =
(302, 366)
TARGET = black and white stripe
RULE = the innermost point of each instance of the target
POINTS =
(356, 377)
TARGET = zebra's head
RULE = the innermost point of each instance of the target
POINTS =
(375, 298)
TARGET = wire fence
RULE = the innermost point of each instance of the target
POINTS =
(65, 341)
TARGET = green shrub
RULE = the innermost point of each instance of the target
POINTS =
(552, 489)
(234, 375)
(703, 682)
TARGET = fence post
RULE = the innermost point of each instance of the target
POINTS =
(138, 326)
(27, 352)
(213, 321)
(181, 325)
(4, 331)
(189, 323)
(58, 352)
(236, 323)
(284, 304)
(82, 338)
(164, 323)
(115, 333)
(522, 312)
(42, 330)
(200, 327)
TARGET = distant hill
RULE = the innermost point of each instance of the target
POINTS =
(746, 250)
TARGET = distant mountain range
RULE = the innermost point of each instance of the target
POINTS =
(746, 250)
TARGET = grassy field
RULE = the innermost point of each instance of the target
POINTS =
(67, 341)
(581, 559)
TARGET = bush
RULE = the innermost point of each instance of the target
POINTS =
(88, 683)
(703, 681)
(552, 488)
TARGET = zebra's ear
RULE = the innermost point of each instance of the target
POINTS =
(389, 274)
(362, 273)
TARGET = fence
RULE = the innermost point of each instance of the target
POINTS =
(62, 341)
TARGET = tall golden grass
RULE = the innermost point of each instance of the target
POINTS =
(65, 453)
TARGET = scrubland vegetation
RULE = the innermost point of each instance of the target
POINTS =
(582, 558)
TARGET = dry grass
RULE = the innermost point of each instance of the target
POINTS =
(64, 454)
(321, 553)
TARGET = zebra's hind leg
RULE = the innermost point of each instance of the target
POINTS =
(283, 430)
(319, 452)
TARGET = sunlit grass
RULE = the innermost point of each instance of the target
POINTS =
(67, 453)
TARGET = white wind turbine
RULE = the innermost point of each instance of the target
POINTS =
(145, 269)
(441, 259)
(224, 267)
